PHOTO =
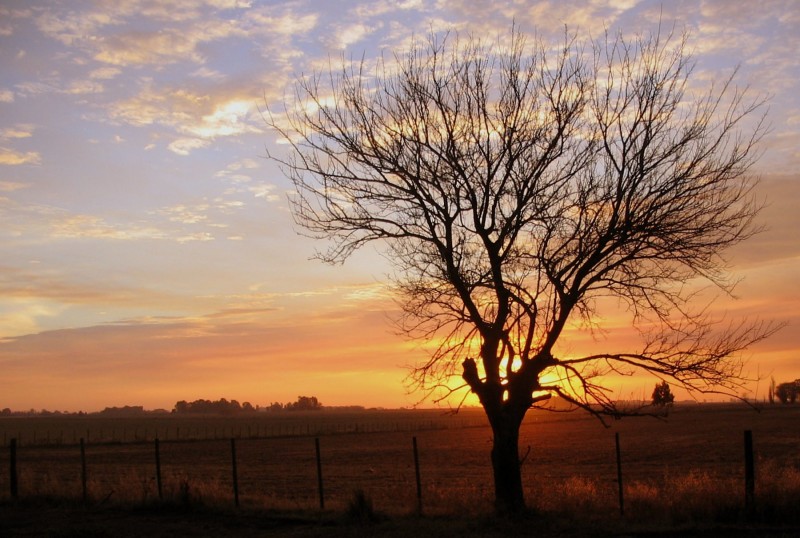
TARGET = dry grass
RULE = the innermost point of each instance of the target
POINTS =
(674, 499)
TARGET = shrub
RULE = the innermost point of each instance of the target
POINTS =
(360, 508)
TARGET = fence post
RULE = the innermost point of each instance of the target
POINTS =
(83, 470)
(749, 472)
(158, 471)
(416, 472)
(13, 468)
(319, 475)
(619, 477)
(235, 473)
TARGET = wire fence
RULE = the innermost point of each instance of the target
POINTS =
(61, 432)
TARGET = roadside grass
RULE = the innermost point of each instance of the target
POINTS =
(688, 500)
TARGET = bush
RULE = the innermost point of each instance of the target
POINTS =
(360, 508)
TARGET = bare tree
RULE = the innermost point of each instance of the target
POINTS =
(516, 185)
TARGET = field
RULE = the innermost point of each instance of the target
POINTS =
(686, 470)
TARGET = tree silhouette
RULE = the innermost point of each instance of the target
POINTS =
(662, 395)
(304, 403)
(514, 188)
(788, 392)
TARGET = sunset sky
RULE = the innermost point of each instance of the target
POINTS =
(147, 252)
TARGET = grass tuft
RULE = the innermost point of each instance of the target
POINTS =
(360, 508)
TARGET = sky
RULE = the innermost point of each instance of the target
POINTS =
(147, 249)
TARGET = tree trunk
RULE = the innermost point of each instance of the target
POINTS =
(509, 497)
(505, 418)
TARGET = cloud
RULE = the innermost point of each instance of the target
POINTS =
(279, 22)
(780, 220)
(261, 337)
(81, 87)
(265, 191)
(41, 223)
(12, 157)
(179, 40)
(11, 186)
(206, 73)
(39, 297)
(104, 73)
(152, 48)
(185, 215)
(202, 213)
(72, 27)
(149, 107)
(237, 173)
(350, 34)
(83, 226)
(95, 227)
(122, 35)
(279, 32)
(184, 26)
(196, 118)
(21, 130)
(228, 119)
(384, 7)
(22, 316)
(6, 96)
(184, 146)
(51, 287)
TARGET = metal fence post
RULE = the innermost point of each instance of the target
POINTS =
(319, 475)
(619, 476)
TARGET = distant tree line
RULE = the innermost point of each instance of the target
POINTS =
(198, 407)
(127, 411)
(217, 407)
(233, 407)
(303, 403)
(7, 412)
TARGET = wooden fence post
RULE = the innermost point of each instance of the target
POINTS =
(619, 476)
(416, 472)
(319, 475)
(749, 472)
(158, 470)
(13, 468)
(83, 471)
(235, 473)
